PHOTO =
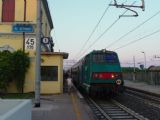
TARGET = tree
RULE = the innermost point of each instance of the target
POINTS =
(20, 66)
(5, 70)
(13, 67)
(130, 69)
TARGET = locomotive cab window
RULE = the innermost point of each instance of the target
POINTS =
(49, 73)
(106, 57)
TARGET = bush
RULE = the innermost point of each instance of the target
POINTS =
(13, 66)
(5, 70)
(129, 69)
(20, 66)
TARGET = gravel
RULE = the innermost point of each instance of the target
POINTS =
(137, 105)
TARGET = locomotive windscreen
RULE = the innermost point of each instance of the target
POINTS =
(105, 57)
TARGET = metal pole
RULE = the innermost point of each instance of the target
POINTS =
(134, 72)
(144, 59)
(134, 64)
(38, 55)
(145, 66)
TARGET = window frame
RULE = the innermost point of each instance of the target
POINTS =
(101, 58)
(52, 77)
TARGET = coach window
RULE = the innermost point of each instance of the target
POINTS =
(49, 73)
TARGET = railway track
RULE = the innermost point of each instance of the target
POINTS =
(112, 110)
(150, 98)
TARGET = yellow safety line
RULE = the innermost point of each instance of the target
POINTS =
(76, 107)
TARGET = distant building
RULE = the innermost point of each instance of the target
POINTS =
(68, 64)
(154, 68)
(18, 26)
(52, 72)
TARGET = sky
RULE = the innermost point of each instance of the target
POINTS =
(74, 21)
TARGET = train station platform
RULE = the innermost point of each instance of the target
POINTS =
(73, 107)
(62, 107)
(155, 89)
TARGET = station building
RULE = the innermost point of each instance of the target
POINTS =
(18, 26)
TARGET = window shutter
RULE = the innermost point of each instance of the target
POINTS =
(8, 10)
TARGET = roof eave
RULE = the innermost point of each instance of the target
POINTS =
(46, 7)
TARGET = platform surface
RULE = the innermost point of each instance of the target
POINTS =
(143, 86)
(62, 107)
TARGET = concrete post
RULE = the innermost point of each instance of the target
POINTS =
(38, 55)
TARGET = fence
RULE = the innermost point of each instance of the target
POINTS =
(150, 77)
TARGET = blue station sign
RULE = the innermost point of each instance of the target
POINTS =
(19, 28)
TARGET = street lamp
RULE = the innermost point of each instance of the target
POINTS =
(145, 75)
(144, 59)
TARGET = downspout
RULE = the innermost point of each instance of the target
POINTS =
(24, 20)
(25, 4)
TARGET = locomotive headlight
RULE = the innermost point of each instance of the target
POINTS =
(118, 82)
(112, 76)
(95, 75)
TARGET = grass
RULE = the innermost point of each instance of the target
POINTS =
(17, 96)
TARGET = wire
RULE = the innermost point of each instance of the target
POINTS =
(93, 30)
(138, 26)
(146, 36)
(106, 30)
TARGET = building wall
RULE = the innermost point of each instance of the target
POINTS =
(19, 16)
(31, 10)
(12, 40)
(52, 87)
(45, 24)
(31, 16)
(16, 40)
(29, 85)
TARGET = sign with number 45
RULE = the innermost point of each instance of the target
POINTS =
(30, 43)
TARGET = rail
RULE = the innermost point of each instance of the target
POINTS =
(112, 110)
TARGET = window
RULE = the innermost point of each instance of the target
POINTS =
(8, 10)
(49, 73)
(108, 57)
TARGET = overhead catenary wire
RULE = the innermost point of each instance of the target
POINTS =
(146, 36)
(106, 30)
(138, 26)
(94, 29)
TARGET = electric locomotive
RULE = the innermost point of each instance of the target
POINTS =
(99, 72)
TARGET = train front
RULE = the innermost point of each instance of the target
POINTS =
(105, 71)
